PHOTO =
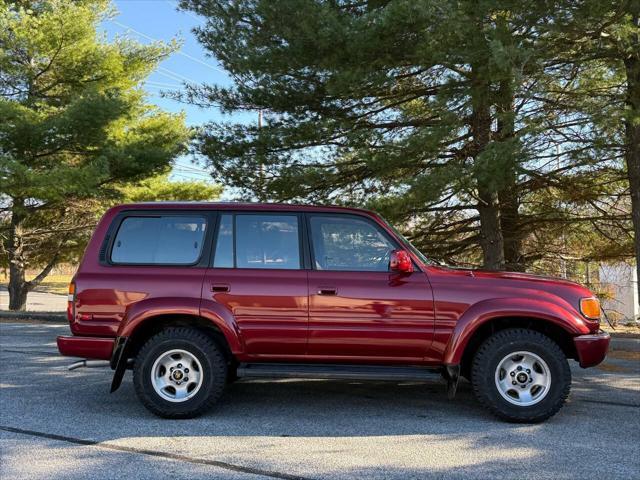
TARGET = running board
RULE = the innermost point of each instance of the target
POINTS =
(335, 372)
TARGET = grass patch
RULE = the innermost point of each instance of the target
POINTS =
(54, 283)
(610, 367)
(633, 327)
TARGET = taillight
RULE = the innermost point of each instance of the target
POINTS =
(71, 299)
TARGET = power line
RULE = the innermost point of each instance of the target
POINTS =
(195, 17)
(177, 76)
(190, 172)
(181, 175)
(191, 167)
(193, 174)
(161, 84)
(171, 76)
(179, 52)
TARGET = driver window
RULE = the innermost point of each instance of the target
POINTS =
(349, 244)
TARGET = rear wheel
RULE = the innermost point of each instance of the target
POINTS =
(521, 375)
(179, 373)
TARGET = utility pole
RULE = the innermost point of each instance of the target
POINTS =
(261, 189)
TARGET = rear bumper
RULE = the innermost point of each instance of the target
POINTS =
(86, 347)
(592, 349)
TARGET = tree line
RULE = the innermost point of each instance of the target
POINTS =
(76, 133)
(500, 133)
(497, 133)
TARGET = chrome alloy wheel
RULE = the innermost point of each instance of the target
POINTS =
(176, 375)
(523, 378)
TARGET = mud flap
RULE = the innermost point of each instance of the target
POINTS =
(118, 362)
(452, 375)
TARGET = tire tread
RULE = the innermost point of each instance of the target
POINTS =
(204, 342)
(481, 364)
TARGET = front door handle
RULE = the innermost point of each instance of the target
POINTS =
(219, 287)
(327, 291)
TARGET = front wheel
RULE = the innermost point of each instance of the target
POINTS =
(521, 375)
(179, 373)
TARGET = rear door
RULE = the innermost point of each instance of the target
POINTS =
(258, 276)
(358, 309)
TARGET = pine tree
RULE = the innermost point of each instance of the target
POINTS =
(602, 44)
(74, 125)
(449, 117)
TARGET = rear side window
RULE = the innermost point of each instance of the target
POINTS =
(258, 241)
(163, 240)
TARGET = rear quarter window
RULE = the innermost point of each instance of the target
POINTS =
(161, 240)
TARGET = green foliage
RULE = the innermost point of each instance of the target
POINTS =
(75, 127)
(74, 116)
(448, 116)
(161, 188)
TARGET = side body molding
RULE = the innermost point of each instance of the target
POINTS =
(491, 309)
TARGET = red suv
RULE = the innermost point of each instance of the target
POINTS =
(192, 296)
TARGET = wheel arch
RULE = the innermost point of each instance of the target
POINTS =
(553, 330)
(151, 325)
(488, 316)
(144, 327)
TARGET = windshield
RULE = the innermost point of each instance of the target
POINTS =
(408, 244)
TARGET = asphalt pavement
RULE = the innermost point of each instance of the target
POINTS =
(65, 425)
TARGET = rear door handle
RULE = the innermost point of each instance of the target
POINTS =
(219, 287)
(327, 291)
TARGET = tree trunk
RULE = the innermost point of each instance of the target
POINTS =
(508, 191)
(17, 293)
(632, 134)
(510, 223)
(18, 286)
(491, 239)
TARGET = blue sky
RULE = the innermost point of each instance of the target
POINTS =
(149, 20)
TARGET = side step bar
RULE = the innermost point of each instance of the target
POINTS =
(334, 371)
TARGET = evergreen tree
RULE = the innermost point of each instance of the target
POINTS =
(451, 117)
(391, 103)
(74, 126)
(161, 188)
(604, 38)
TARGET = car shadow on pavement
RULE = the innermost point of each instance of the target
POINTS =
(319, 408)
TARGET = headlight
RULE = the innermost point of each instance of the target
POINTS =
(590, 308)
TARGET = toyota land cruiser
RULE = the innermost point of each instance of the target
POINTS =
(191, 296)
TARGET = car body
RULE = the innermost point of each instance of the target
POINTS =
(303, 285)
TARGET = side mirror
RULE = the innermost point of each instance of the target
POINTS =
(400, 261)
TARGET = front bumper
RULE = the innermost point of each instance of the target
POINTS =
(98, 348)
(592, 349)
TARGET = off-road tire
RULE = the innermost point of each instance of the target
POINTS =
(199, 344)
(499, 345)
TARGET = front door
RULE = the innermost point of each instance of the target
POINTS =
(358, 308)
(258, 276)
